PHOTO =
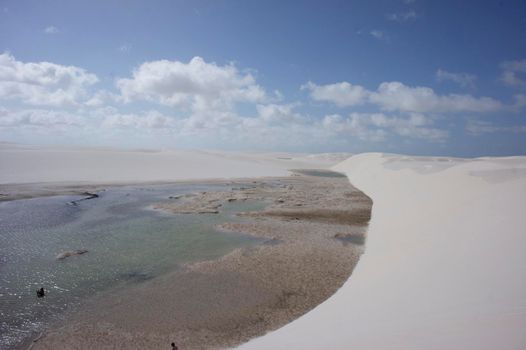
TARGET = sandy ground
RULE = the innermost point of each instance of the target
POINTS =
(444, 263)
(32, 171)
(23, 164)
(445, 250)
(312, 234)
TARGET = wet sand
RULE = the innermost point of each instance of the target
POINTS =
(312, 233)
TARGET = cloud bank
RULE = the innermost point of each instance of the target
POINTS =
(205, 104)
(43, 83)
(395, 96)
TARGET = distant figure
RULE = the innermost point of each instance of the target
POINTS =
(174, 347)
(41, 293)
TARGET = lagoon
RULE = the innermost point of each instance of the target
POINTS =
(127, 243)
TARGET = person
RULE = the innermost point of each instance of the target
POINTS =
(41, 293)
(174, 347)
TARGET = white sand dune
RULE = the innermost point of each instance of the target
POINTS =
(444, 266)
(32, 164)
(445, 262)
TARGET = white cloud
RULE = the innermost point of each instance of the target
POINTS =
(198, 84)
(43, 83)
(101, 98)
(342, 94)
(215, 122)
(480, 127)
(207, 111)
(273, 126)
(51, 30)
(38, 118)
(402, 16)
(353, 126)
(513, 73)
(106, 118)
(463, 79)
(147, 120)
(376, 126)
(395, 96)
(278, 114)
(378, 34)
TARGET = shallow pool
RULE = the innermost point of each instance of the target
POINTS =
(127, 242)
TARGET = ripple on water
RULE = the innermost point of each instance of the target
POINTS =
(125, 243)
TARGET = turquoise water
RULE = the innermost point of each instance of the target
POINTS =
(126, 241)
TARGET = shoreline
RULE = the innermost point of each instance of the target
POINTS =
(444, 249)
(16, 191)
(226, 302)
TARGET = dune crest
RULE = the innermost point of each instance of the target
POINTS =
(443, 263)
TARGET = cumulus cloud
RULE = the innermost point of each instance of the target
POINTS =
(376, 126)
(352, 126)
(51, 30)
(278, 114)
(273, 125)
(43, 83)
(38, 118)
(513, 73)
(395, 96)
(402, 16)
(104, 120)
(207, 99)
(197, 83)
(217, 122)
(101, 98)
(342, 94)
(112, 119)
(463, 79)
(480, 127)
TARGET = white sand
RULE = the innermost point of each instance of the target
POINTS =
(444, 266)
(31, 164)
(445, 261)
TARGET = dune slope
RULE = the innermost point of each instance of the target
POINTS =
(444, 263)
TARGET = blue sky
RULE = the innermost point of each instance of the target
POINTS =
(401, 76)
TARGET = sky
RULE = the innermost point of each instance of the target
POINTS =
(422, 77)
